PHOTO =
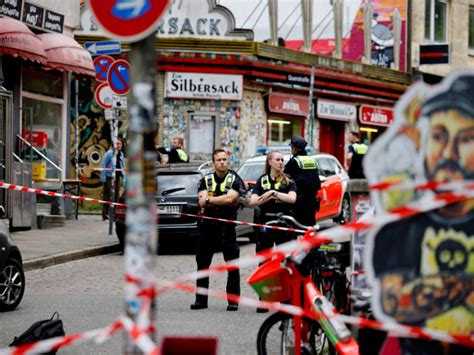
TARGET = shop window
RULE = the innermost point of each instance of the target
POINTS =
(368, 135)
(280, 131)
(436, 18)
(41, 125)
(47, 83)
(471, 30)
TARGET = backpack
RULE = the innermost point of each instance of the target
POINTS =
(40, 330)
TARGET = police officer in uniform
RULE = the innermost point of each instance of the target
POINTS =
(355, 155)
(218, 197)
(304, 170)
(176, 154)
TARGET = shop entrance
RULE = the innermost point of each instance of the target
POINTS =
(331, 138)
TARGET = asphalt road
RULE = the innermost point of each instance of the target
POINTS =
(88, 295)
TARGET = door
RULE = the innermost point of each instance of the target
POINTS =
(331, 189)
(5, 116)
(331, 138)
(201, 136)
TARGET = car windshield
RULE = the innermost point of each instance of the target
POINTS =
(250, 172)
(178, 184)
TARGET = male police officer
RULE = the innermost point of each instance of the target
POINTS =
(176, 153)
(304, 170)
(218, 197)
(354, 157)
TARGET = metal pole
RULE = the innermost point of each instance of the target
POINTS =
(338, 16)
(76, 129)
(141, 238)
(397, 29)
(311, 107)
(367, 10)
(273, 12)
(307, 11)
(113, 134)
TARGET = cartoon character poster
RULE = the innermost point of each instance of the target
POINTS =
(422, 267)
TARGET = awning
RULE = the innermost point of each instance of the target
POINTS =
(17, 40)
(65, 54)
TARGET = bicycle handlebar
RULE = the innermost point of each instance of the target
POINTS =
(285, 218)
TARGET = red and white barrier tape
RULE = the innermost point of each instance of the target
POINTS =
(5, 185)
(140, 337)
(458, 186)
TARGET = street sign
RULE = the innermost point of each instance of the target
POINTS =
(102, 65)
(119, 101)
(109, 114)
(130, 20)
(118, 77)
(104, 47)
(103, 95)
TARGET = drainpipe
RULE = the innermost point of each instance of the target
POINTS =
(338, 16)
(397, 26)
(307, 11)
(367, 11)
(273, 12)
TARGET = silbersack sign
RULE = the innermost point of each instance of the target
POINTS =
(203, 86)
(335, 110)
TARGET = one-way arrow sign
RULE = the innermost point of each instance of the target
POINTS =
(105, 47)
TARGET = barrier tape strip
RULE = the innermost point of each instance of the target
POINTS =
(7, 186)
(393, 328)
(429, 185)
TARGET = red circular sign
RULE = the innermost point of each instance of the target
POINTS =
(118, 77)
(130, 20)
(104, 95)
(102, 64)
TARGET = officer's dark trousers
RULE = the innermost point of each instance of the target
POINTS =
(215, 236)
(305, 211)
(267, 238)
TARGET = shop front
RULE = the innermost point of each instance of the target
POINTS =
(336, 119)
(373, 121)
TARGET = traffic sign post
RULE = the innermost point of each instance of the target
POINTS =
(103, 47)
(118, 77)
(129, 20)
(102, 65)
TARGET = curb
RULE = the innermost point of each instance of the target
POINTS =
(39, 263)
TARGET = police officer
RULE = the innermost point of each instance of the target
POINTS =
(218, 197)
(355, 155)
(304, 170)
(176, 154)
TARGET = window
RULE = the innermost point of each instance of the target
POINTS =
(436, 17)
(281, 130)
(471, 29)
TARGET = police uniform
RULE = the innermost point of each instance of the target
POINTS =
(267, 237)
(175, 155)
(215, 235)
(304, 170)
(358, 151)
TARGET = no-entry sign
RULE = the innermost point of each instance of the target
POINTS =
(130, 20)
(118, 77)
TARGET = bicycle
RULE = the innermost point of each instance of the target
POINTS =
(289, 280)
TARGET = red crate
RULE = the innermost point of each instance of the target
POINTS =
(40, 139)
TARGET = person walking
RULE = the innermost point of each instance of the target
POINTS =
(107, 172)
(305, 172)
(218, 195)
(354, 156)
(176, 154)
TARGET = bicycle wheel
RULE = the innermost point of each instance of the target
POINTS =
(276, 336)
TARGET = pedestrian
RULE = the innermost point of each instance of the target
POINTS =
(176, 153)
(274, 192)
(355, 154)
(218, 197)
(107, 172)
(304, 171)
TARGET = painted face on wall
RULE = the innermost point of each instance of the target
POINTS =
(450, 147)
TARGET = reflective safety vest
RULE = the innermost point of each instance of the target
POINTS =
(306, 163)
(211, 184)
(266, 184)
(182, 154)
(360, 148)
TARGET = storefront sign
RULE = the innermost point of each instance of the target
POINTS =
(336, 110)
(302, 80)
(33, 15)
(288, 104)
(204, 86)
(53, 22)
(377, 116)
(202, 19)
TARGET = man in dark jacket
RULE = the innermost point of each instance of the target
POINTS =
(304, 170)
(354, 157)
(176, 154)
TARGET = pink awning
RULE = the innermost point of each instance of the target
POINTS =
(17, 40)
(65, 54)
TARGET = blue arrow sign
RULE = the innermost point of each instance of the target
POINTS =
(105, 47)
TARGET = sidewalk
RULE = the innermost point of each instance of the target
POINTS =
(86, 237)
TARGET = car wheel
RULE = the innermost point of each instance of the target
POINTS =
(12, 285)
(120, 231)
(346, 211)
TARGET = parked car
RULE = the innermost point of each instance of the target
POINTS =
(336, 200)
(177, 193)
(12, 277)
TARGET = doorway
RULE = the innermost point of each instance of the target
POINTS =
(331, 138)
